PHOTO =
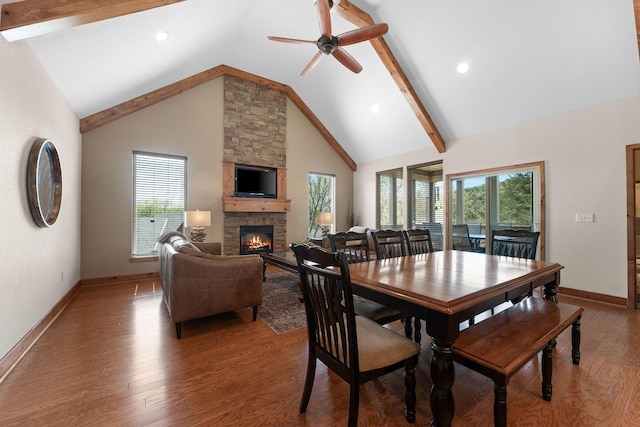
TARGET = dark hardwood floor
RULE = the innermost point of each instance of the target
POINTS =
(112, 358)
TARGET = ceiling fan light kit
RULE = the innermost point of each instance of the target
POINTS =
(329, 44)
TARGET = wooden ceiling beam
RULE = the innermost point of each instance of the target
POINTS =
(29, 18)
(361, 19)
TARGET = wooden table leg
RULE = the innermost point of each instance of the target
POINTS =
(442, 375)
(551, 289)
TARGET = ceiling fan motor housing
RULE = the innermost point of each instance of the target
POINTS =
(328, 45)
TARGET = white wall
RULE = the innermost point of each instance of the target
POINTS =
(308, 151)
(38, 266)
(189, 124)
(584, 155)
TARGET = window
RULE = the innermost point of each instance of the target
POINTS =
(510, 197)
(390, 186)
(321, 199)
(426, 197)
(159, 199)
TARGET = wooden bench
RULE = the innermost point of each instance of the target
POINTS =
(499, 346)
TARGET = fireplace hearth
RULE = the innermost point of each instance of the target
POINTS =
(255, 239)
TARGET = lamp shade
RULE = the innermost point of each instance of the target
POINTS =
(324, 218)
(197, 218)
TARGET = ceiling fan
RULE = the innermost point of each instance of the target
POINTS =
(329, 44)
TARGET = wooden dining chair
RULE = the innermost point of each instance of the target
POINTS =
(388, 243)
(391, 244)
(515, 243)
(356, 247)
(354, 347)
(418, 241)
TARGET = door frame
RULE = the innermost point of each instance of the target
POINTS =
(632, 299)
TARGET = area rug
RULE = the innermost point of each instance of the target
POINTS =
(281, 307)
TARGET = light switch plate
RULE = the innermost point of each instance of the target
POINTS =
(584, 217)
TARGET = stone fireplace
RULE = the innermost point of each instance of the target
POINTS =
(254, 134)
(255, 239)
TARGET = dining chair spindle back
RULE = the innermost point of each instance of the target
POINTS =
(357, 349)
(418, 241)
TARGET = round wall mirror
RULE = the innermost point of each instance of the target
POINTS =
(44, 182)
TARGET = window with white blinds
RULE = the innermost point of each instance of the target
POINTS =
(390, 200)
(426, 197)
(159, 199)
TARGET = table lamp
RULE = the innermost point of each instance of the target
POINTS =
(324, 220)
(196, 221)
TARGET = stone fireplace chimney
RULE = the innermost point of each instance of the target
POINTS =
(255, 134)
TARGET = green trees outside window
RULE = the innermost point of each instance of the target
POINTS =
(321, 199)
(512, 199)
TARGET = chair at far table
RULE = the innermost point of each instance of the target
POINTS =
(418, 241)
(356, 247)
(461, 241)
(356, 348)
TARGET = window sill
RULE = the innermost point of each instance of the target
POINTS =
(146, 258)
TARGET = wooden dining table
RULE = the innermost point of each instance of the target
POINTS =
(444, 289)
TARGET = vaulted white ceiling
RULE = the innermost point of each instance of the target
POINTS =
(528, 61)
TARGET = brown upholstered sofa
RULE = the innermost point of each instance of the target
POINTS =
(197, 281)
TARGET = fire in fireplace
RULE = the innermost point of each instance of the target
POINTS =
(255, 239)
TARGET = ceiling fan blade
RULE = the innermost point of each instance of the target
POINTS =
(314, 61)
(362, 34)
(347, 60)
(324, 17)
(288, 40)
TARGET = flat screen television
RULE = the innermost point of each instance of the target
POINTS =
(253, 181)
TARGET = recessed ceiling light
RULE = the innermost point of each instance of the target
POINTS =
(162, 36)
(463, 67)
(375, 108)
